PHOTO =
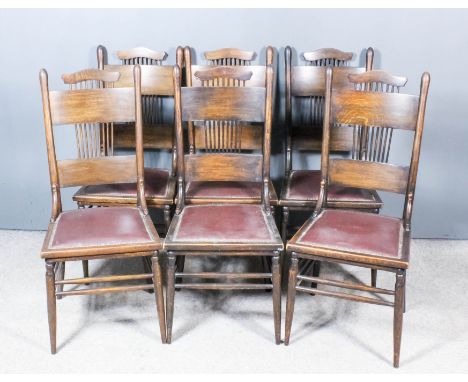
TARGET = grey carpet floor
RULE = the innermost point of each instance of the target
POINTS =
(233, 331)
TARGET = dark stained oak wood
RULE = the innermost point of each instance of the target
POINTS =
(238, 104)
(226, 167)
(368, 175)
(115, 169)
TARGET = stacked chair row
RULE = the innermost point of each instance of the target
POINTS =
(217, 197)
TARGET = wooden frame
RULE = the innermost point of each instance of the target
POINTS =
(343, 106)
(101, 105)
(258, 167)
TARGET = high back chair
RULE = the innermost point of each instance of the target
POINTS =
(98, 233)
(305, 91)
(158, 134)
(246, 137)
(355, 237)
(224, 229)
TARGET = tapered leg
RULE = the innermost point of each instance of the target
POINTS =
(284, 224)
(51, 306)
(167, 217)
(398, 315)
(276, 279)
(158, 293)
(374, 277)
(293, 268)
(60, 274)
(170, 292)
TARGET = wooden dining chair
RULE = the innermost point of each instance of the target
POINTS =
(354, 237)
(158, 133)
(223, 229)
(305, 90)
(248, 137)
(117, 232)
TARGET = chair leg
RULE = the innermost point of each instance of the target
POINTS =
(60, 274)
(315, 272)
(170, 292)
(374, 277)
(276, 280)
(158, 293)
(51, 305)
(284, 224)
(292, 280)
(167, 217)
(398, 315)
(85, 268)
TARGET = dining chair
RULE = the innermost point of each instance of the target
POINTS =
(117, 232)
(158, 132)
(354, 237)
(221, 229)
(248, 136)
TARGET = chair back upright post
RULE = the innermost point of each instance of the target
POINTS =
(380, 112)
(83, 108)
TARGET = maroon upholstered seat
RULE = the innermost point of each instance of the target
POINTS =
(338, 231)
(228, 224)
(227, 191)
(101, 227)
(158, 185)
(304, 185)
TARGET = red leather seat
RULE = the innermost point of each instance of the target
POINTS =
(100, 228)
(227, 192)
(304, 185)
(223, 224)
(159, 187)
(334, 232)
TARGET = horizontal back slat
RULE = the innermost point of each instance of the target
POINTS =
(328, 53)
(90, 75)
(393, 110)
(105, 170)
(368, 175)
(92, 106)
(218, 103)
(256, 80)
(341, 140)
(307, 81)
(229, 53)
(154, 136)
(155, 79)
(224, 167)
(141, 52)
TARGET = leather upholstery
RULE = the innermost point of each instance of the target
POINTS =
(91, 227)
(305, 185)
(224, 223)
(227, 190)
(354, 231)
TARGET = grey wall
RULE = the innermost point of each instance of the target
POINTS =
(407, 42)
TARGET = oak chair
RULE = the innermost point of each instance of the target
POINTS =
(354, 237)
(118, 232)
(247, 137)
(219, 229)
(304, 93)
(158, 134)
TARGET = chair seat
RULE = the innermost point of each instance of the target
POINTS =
(303, 188)
(355, 236)
(227, 192)
(105, 230)
(235, 226)
(159, 190)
